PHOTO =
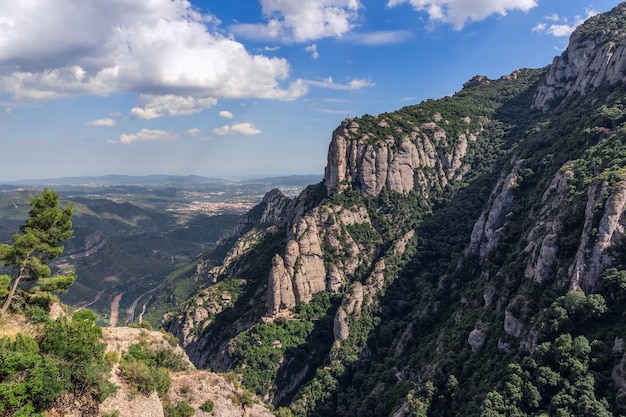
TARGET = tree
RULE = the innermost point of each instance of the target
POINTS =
(35, 244)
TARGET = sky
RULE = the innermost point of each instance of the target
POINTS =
(241, 88)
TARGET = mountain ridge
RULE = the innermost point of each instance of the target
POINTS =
(463, 256)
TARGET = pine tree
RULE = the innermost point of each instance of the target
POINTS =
(37, 243)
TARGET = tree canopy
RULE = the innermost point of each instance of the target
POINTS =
(37, 243)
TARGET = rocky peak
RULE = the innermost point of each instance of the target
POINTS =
(596, 55)
(476, 80)
(272, 210)
(375, 153)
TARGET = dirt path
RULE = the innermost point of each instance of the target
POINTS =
(115, 307)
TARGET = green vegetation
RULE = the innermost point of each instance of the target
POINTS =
(67, 357)
(35, 245)
(558, 379)
(207, 406)
(258, 351)
(182, 409)
(147, 370)
(460, 323)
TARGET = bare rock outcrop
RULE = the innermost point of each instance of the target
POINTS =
(193, 386)
(301, 273)
(272, 210)
(587, 63)
(361, 295)
(593, 254)
(543, 238)
(487, 231)
(476, 339)
(512, 325)
(423, 158)
(280, 292)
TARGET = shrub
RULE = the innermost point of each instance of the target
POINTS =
(37, 314)
(207, 406)
(182, 409)
(143, 378)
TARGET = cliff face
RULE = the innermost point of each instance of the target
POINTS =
(199, 312)
(302, 272)
(596, 56)
(415, 156)
(447, 241)
(272, 210)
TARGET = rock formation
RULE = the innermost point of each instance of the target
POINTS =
(422, 158)
(591, 60)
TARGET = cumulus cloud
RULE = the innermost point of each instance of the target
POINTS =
(148, 135)
(302, 21)
(226, 114)
(561, 26)
(102, 122)
(460, 12)
(312, 49)
(193, 131)
(352, 85)
(152, 107)
(164, 50)
(239, 128)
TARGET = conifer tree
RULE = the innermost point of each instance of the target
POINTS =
(37, 243)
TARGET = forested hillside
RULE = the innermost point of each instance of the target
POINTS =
(463, 256)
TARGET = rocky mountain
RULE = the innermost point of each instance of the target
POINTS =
(462, 256)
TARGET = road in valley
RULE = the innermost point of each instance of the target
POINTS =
(133, 306)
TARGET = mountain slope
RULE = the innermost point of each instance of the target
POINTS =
(464, 256)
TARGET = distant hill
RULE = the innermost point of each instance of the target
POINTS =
(157, 180)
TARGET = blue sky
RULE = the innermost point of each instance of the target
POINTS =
(240, 87)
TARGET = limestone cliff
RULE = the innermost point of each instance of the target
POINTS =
(595, 56)
(302, 272)
(455, 242)
(488, 228)
(272, 210)
(420, 156)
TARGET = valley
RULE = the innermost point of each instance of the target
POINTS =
(460, 256)
(131, 232)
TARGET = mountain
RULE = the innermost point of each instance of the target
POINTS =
(120, 180)
(463, 256)
(157, 180)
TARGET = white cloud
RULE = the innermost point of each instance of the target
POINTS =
(226, 114)
(154, 48)
(561, 30)
(102, 122)
(460, 12)
(193, 131)
(148, 135)
(302, 21)
(152, 107)
(239, 128)
(385, 37)
(352, 85)
(312, 49)
(560, 26)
